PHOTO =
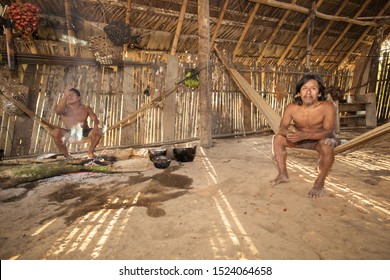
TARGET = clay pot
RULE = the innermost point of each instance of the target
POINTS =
(161, 162)
(184, 154)
(157, 152)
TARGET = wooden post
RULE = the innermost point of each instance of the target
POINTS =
(359, 80)
(298, 33)
(10, 44)
(375, 54)
(170, 101)
(71, 34)
(205, 126)
(337, 118)
(371, 120)
(127, 20)
(247, 103)
(129, 101)
(310, 29)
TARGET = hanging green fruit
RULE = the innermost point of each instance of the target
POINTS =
(191, 77)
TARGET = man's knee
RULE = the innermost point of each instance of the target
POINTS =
(326, 145)
(332, 142)
(279, 139)
(97, 136)
(56, 133)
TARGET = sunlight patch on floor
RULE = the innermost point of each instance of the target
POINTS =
(42, 228)
(369, 161)
(93, 228)
(234, 228)
(341, 189)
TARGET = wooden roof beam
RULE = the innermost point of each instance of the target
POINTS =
(219, 22)
(334, 45)
(178, 28)
(246, 28)
(318, 40)
(275, 32)
(303, 26)
(303, 10)
(385, 8)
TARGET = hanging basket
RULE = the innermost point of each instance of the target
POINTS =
(118, 32)
(105, 52)
(19, 93)
(192, 77)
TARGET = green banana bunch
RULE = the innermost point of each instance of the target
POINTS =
(192, 78)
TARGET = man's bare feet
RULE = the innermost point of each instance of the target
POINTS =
(280, 179)
(317, 191)
(91, 155)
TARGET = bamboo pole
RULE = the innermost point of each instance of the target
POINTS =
(132, 117)
(178, 27)
(219, 22)
(71, 34)
(363, 138)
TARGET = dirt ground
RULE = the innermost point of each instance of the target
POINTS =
(220, 206)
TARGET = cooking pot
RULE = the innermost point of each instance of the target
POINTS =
(161, 162)
(157, 152)
(184, 154)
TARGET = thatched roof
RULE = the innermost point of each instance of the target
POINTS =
(267, 31)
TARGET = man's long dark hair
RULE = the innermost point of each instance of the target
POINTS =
(76, 91)
(304, 80)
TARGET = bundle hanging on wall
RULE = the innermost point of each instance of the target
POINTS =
(192, 77)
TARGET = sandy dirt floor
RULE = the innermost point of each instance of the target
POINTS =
(220, 206)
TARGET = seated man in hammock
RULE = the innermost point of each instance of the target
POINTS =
(313, 129)
(74, 115)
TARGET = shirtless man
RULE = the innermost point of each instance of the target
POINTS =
(72, 113)
(313, 128)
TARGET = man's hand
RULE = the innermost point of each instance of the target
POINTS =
(295, 136)
(67, 91)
